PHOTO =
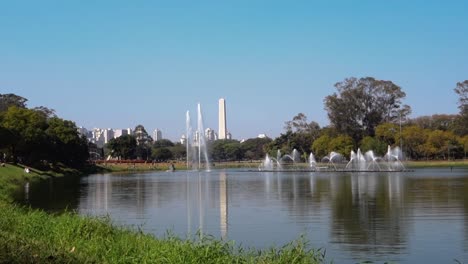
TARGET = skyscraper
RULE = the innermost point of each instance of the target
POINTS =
(157, 134)
(222, 119)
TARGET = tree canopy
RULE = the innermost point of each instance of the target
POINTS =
(361, 104)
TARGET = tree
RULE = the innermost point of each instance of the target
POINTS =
(254, 148)
(7, 100)
(371, 143)
(222, 150)
(388, 133)
(163, 143)
(162, 154)
(179, 151)
(462, 90)
(321, 146)
(300, 134)
(123, 147)
(342, 144)
(362, 104)
(414, 138)
(27, 128)
(65, 143)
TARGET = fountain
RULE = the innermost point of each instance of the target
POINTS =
(335, 161)
(280, 161)
(357, 162)
(332, 159)
(196, 142)
(312, 162)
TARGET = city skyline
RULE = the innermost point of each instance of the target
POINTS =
(120, 64)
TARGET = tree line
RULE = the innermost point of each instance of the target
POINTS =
(364, 113)
(37, 136)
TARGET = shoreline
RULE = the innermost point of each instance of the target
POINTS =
(34, 236)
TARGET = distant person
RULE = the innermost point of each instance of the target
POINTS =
(171, 167)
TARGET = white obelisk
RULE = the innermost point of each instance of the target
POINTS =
(222, 119)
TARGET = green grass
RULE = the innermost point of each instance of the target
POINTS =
(33, 236)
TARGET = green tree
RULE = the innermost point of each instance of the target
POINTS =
(223, 150)
(414, 138)
(28, 130)
(254, 148)
(371, 143)
(7, 100)
(163, 143)
(162, 154)
(462, 90)
(321, 146)
(388, 133)
(362, 104)
(65, 143)
(439, 143)
(342, 144)
(123, 147)
(464, 143)
(179, 151)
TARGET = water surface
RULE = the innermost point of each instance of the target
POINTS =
(405, 217)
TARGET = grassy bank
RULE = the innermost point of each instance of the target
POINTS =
(437, 163)
(33, 236)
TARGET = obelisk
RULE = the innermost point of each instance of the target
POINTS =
(222, 132)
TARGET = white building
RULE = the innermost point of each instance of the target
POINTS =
(108, 135)
(120, 132)
(157, 134)
(210, 134)
(183, 139)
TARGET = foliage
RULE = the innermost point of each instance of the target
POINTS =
(123, 147)
(179, 151)
(163, 143)
(388, 133)
(462, 123)
(254, 148)
(162, 154)
(321, 147)
(7, 100)
(362, 104)
(372, 143)
(225, 150)
(433, 122)
(342, 144)
(414, 138)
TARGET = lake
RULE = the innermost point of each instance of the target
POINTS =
(419, 216)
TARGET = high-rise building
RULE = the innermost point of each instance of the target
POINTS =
(210, 134)
(222, 119)
(120, 132)
(157, 134)
(108, 135)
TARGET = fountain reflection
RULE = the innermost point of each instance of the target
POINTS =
(365, 215)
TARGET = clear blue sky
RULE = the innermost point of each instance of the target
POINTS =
(122, 63)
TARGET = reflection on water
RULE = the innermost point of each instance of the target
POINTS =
(410, 217)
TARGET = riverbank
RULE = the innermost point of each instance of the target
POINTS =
(33, 236)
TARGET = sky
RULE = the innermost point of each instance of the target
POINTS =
(117, 64)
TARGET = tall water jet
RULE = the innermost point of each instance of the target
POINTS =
(188, 132)
(312, 161)
(202, 141)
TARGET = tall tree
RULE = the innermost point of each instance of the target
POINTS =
(7, 100)
(362, 104)
(462, 91)
(123, 147)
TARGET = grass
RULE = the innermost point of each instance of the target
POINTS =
(34, 236)
(437, 163)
